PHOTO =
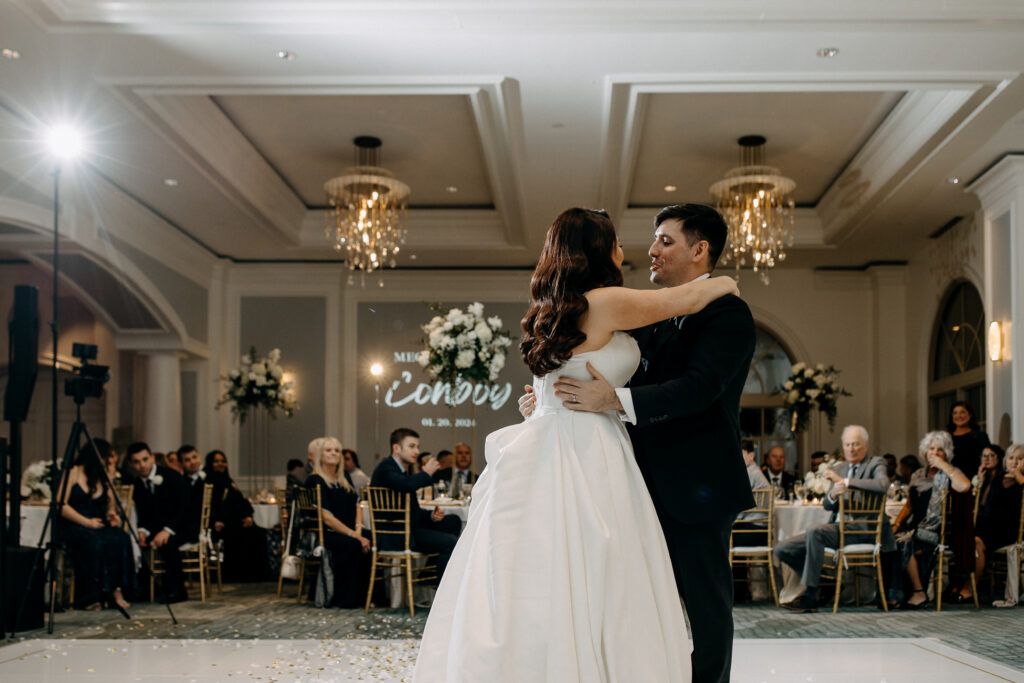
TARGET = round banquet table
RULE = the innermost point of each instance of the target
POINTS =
(266, 515)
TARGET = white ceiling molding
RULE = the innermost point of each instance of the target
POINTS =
(166, 16)
(188, 119)
(934, 104)
(154, 341)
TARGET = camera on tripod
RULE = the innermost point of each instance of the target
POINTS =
(89, 379)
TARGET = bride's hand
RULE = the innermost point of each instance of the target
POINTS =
(527, 402)
(724, 285)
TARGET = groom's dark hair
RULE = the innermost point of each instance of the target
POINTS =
(700, 222)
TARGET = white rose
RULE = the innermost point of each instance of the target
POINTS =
(436, 320)
(788, 386)
(447, 342)
(259, 368)
(252, 377)
(455, 313)
(277, 373)
(813, 393)
(471, 335)
(793, 396)
(498, 362)
(271, 393)
(503, 341)
(202, 474)
(26, 491)
(464, 359)
(476, 308)
(495, 322)
(233, 374)
(820, 380)
(423, 359)
(483, 332)
(798, 368)
(447, 327)
(808, 373)
(158, 479)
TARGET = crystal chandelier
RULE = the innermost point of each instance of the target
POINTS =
(757, 204)
(368, 209)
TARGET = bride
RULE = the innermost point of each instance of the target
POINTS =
(562, 573)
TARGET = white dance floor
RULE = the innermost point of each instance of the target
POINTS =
(882, 660)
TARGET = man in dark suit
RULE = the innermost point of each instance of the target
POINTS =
(432, 532)
(774, 470)
(805, 552)
(195, 480)
(161, 503)
(682, 409)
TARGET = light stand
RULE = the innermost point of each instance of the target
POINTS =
(376, 370)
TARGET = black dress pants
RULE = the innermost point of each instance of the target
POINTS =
(700, 560)
(438, 537)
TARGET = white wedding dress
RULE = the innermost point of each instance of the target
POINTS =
(562, 573)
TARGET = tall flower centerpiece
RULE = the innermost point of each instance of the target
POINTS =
(258, 383)
(816, 483)
(812, 388)
(460, 348)
(35, 481)
(463, 345)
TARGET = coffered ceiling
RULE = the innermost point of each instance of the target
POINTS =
(500, 115)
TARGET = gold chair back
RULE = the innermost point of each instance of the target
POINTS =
(860, 518)
(389, 515)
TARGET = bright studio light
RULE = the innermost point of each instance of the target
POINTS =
(376, 369)
(64, 142)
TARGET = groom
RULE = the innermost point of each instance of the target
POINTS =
(682, 408)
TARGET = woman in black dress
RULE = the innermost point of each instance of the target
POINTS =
(968, 442)
(999, 506)
(345, 538)
(90, 527)
(245, 544)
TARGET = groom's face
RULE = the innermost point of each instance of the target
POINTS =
(673, 260)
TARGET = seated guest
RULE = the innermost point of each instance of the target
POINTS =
(90, 527)
(296, 473)
(918, 526)
(817, 459)
(245, 544)
(463, 469)
(422, 459)
(311, 450)
(344, 536)
(355, 476)
(161, 499)
(195, 480)
(749, 519)
(805, 553)
(999, 506)
(432, 532)
(908, 465)
(890, 465)
(774, 470)
(444, 459)
(110, 460)
(173, 460)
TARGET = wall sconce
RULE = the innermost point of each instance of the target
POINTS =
(999, 340)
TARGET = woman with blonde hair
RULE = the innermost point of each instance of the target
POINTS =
(917, 535)
(999, 515)
(344, 536)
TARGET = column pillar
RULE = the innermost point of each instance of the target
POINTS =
(161, 424)
(1001, 191)
(891, 413)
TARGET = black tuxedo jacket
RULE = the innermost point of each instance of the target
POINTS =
(167, 506)
(446, 475)
(788, 479)
(389, 475)
(195, 505)
(686, 394)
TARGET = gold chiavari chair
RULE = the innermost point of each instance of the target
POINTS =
(999, 559)
(309, 520)
(752, 555)
(944, 554)
(860, 519)
(389, 521)
(194, 556)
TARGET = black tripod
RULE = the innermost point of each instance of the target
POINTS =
(78, 430)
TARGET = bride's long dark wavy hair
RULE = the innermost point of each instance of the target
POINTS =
(576, 258)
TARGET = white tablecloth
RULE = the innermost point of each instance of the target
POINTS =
(266, 515)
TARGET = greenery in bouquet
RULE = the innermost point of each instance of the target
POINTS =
(258, 383)
(35, 481)
(812, 388)
(464, 344)
(816, 483)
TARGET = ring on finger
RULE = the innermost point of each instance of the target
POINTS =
(574, 399)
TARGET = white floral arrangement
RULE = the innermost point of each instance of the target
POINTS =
(464, 344)
(158, 479)
(258, 383)
(812, 388)
(816, 482)
(36, 480)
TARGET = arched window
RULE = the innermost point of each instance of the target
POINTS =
(763, 420)
(958, 355)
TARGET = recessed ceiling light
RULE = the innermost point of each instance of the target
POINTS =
(827, 52)
(171, 182)
(285, 55)
(451, 189)
(10, 54)
(671, 188)
(955, 180)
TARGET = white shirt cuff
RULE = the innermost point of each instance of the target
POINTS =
(628, 413)
(169, 530)
(143, 530)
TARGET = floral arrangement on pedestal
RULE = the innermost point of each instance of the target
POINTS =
(35, 481)
(463, 345)
(816, 483)
(812, 388)
(258, 383)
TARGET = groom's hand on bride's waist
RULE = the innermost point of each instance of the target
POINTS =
(591, 395)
